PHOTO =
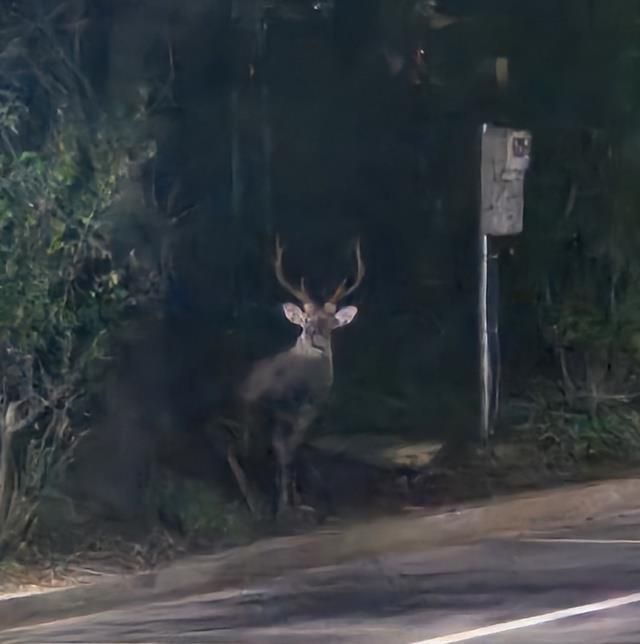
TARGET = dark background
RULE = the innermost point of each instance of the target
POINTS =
(354, 151)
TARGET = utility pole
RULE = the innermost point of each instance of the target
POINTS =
(504, 159)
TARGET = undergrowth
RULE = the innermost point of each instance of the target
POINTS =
(198, 512)
(566, 434)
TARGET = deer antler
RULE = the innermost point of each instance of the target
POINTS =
(342, 291)
(299, 293)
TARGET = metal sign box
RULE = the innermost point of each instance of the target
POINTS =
(505, 156)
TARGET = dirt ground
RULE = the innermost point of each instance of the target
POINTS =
(364, 477)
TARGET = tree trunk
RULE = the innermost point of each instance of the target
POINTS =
(7, 476)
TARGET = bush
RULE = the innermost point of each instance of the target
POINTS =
(198, 511)
(62, 293)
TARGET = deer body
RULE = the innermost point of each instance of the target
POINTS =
(290, 388)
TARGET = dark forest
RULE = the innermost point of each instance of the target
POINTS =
(153, 153)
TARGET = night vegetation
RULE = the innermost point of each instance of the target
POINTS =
(151, 150)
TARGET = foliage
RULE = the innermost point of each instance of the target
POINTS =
(581, 258)
(198, 511)
(581, 238)
(58, 274)
(577, 262)
(62, 294)
(570, 438)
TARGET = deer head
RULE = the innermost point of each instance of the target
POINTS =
(317, 321)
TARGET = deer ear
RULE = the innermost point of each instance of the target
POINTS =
(345, 315)
(293, 313)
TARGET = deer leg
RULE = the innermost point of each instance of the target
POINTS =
(243, 484)
(284, 502)
(296, 437)
(314, 484)
(286, 439)
(294, 484)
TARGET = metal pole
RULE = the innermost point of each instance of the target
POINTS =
(483, 332)
(504, 158)
(493, 333)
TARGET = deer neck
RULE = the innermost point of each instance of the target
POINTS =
(303, 347)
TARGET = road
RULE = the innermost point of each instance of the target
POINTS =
(434, 597)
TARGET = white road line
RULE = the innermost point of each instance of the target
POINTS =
(536, 620)
(597, 541)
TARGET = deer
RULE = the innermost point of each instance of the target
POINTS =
(291, 387)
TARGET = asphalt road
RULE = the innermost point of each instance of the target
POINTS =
(434, 597)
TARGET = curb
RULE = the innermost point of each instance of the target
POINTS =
(274, 557)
